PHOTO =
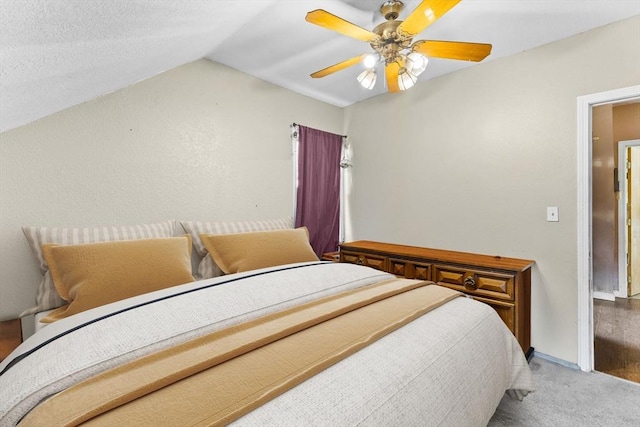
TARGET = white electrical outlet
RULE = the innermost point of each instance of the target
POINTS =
(552, 214)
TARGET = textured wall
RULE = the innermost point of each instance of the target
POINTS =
(200, 142)
(626, 122)
(473, 159)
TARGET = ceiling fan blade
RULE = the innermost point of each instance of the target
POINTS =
(332, 22)
(426, 14)
(391, 71)
(339, 66)
(452, 50)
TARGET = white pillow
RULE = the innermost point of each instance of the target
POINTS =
(207, 268)
(47, 297)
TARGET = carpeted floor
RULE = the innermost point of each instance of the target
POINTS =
(570, 397)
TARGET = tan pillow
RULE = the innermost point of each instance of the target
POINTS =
(235, 253)
(93, 274)
(207, 268)
(47, 296)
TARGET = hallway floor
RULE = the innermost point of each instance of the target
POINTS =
(616, 327)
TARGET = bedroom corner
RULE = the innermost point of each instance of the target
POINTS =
(174, 146)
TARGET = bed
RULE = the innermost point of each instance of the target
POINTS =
(448, 365)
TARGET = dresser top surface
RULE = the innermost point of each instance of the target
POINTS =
(493, 261)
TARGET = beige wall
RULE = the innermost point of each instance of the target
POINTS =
(626, 122)
(201, 142)
(473, 159)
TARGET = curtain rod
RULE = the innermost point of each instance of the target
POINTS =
(344, 136)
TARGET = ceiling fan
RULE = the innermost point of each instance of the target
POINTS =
(393, 43)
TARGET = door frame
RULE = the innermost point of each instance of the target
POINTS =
(623, 237)
(584, 214)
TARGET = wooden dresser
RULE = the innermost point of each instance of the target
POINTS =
(503, 283)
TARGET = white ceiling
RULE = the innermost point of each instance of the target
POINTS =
(58, 53)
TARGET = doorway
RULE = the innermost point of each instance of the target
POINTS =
(584, 215)
(614, 219)
(629, 219)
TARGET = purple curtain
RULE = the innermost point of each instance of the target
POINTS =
(318, 198)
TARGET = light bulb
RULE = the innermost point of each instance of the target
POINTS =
(370, 61)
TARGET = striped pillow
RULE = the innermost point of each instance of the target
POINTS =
(47, 297)
(207, 268)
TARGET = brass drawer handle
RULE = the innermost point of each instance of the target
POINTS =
(470, 283)
(360, 262)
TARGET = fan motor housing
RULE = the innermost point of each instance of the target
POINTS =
(391, 42)
(391, 9)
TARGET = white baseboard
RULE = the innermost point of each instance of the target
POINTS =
(604, 295)
(620, 294)
(556, 360)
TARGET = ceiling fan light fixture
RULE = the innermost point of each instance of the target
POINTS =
(367, 79)
(394, 46)
(406, 79)
(416, 63)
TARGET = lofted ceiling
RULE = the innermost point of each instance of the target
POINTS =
(58, 53)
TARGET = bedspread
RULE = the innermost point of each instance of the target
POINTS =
(448, 367)
(218, 378)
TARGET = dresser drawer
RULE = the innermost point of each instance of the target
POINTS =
(476, 282)
(373, 261)
(410, 269)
